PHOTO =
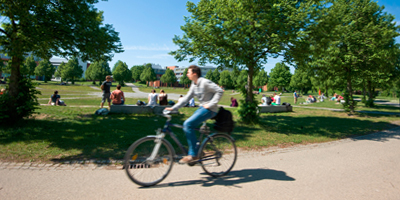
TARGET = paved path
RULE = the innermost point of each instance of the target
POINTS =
(359, 168)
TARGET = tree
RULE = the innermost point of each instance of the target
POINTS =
(184, 79)
(148, 74)
(89, 73)
(59, 70)
(46, 69)
(137, 71)
(261, 78)
(72, 70)
(215, 76)
(121, 72)
(280, 76)
(98, 70)
(242, 34)
(225, 79)
(28, 68)
(241, 81)
(209, 75)
(301, 80)
(168, 77)
(52, 28)
(354, 39)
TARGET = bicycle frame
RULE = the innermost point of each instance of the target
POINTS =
(204, 130)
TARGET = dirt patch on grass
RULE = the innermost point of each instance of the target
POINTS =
(40, 116)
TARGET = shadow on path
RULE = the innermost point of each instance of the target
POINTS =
(233, 178)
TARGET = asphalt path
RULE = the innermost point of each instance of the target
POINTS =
(358, 168)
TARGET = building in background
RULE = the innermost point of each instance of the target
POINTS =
(56, 61)
(204, 69)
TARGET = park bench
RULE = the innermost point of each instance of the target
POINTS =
(275, 109)
(135, 109)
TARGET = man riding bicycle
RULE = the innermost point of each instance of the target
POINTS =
(209, 94)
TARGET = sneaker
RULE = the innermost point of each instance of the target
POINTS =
(187, 159)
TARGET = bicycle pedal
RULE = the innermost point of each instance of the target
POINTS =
(194, 163)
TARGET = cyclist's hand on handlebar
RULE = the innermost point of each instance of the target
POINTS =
(169, 109)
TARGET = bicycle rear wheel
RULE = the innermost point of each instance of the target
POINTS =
(143, 170)
(218, 155)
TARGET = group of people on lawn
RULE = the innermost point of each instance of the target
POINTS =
(274, 100)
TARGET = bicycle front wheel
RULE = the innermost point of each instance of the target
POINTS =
(142, 168)
(218, 155)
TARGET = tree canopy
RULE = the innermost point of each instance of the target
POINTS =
(168, 77)
(98, 71)
(148, 74)
(137, 70)
(46, 69)
(280, 76)
(121, 72)
(261, 78)
(225, 79)
(354, 39)
(301, 80)
(28, 67)
(71, 70)
(241, 34)
(53, 28)
(184, 79)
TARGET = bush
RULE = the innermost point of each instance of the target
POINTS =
(25, 103)
(248, 112)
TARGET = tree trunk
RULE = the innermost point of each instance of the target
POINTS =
(326, 91)
(370, 92)
(14, 84)
(350, 90)
(364, 89)
(249, 97)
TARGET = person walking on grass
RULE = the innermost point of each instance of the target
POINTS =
(295, 96)
(117, 96)
(209, 94)
(105, 86)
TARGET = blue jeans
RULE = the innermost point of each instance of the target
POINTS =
(199, 116)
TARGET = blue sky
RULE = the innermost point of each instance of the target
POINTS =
(146, 29)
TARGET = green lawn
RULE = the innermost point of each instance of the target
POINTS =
(91, 101)
(65, 133)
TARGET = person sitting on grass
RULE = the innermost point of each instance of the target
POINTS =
(234, 102)
(117, 96)
(55, 100)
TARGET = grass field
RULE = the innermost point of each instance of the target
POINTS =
(66, 133)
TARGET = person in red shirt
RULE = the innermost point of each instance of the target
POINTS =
(2, 91)
(117, 96)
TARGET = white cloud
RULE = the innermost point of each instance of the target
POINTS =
(156, 56)
(149, 48)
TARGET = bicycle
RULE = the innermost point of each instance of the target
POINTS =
(149, 160)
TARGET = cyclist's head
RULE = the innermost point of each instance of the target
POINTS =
(195, 70)
(118, 87)
(153, 91)
(108, 78)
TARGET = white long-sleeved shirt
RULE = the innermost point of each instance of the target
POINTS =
(206, 91)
